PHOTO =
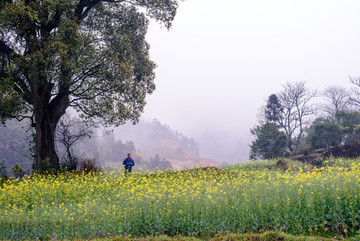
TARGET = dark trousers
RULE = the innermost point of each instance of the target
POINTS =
(127, 171)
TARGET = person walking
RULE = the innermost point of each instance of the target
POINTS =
(128, 164)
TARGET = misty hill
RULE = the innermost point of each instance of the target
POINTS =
(154, 138)
(151, 143)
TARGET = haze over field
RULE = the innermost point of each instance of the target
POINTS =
(218, 65)
(116, 127)
(220, 61)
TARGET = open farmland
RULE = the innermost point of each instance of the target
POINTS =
(246, 198)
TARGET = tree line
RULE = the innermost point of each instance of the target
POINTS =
(299, 119)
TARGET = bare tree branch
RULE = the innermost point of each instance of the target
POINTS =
(296, 100)
(355, 95)
(338, 99)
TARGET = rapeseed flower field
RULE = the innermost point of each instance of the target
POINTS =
(239, 199)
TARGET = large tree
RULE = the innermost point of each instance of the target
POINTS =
(87, 54)
(273, 109)
(292, 110)
(337, 99)
(297, 111)
(324, 133)
(270, 142)
(333, 131)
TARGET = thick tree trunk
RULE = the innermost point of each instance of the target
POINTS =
(46, 157)
(47, 116)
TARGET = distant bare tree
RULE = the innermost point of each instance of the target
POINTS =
(338, 99)
(297, 110)
(261, 115)
(69, 131)
(355, 95)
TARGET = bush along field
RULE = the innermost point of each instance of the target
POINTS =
(256, 197)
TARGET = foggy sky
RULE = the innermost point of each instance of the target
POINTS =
(222, 59)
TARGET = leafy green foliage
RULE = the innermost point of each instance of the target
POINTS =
(100, 57)
(350, 126)
(341, 130)
(324, 133)
(270, 142)
(91, 55)
(10, 104)
(18, 171)
(273, 109)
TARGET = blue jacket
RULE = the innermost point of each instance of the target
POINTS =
(128, 163)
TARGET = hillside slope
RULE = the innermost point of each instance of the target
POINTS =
(154, 138)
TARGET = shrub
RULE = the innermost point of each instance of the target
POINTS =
(18, 171)
(282, 164)
(69, 165)
(89, 165)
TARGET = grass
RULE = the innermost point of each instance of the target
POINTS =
(268, 236)
(188, 205)
(265, 164)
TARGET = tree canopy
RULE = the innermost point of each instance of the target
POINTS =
(324, 133)
(87, 54)
(273, 109)
(270, 142)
